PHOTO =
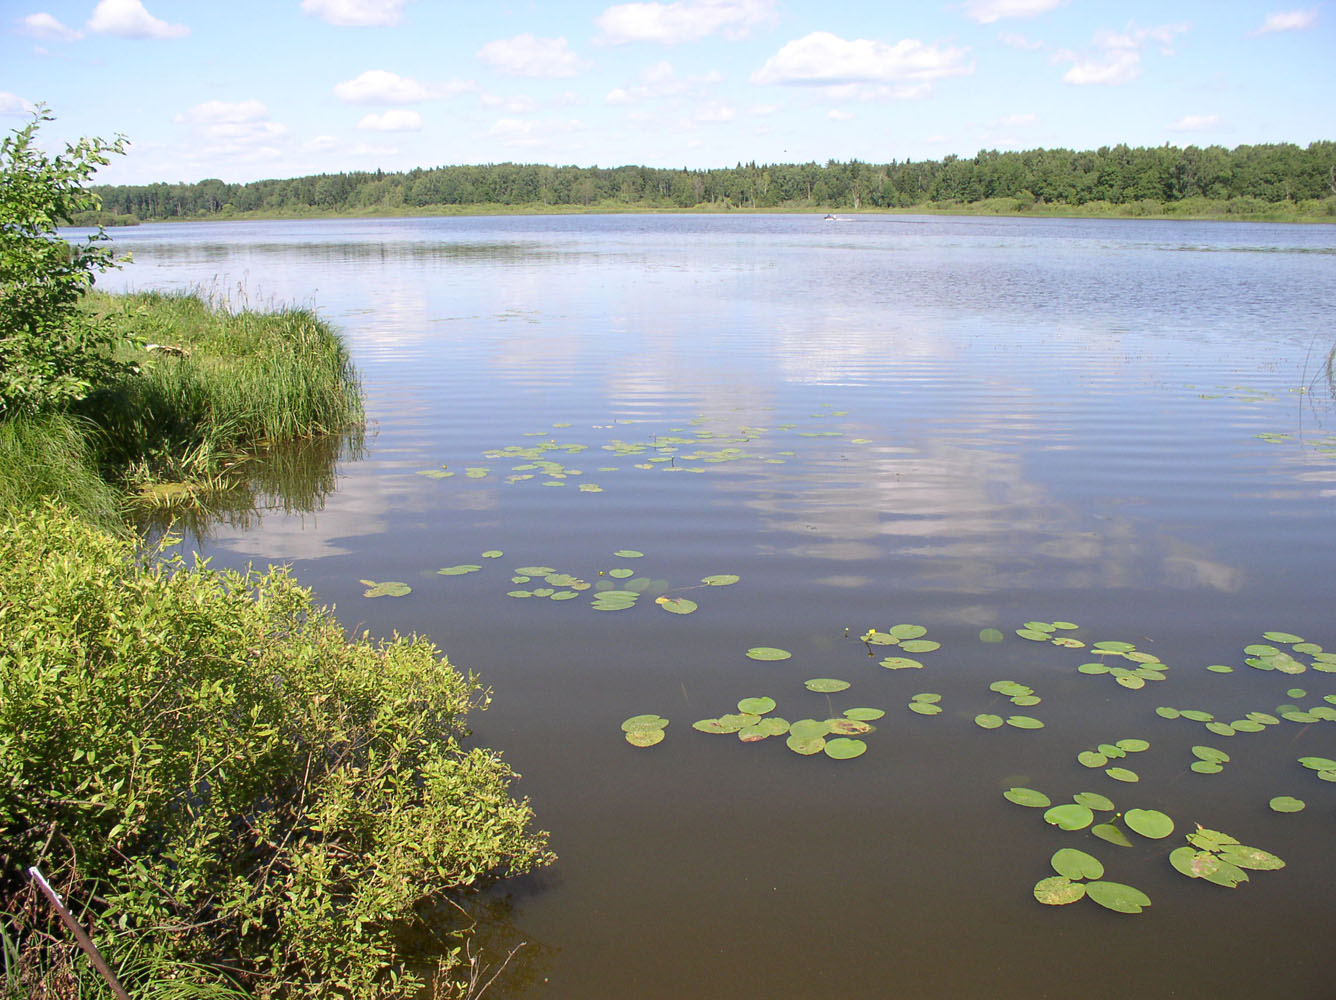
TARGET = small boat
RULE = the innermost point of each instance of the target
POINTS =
(831, 218)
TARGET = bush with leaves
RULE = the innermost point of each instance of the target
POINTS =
(223, 778)
(50, 353)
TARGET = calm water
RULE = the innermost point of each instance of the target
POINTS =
(958, 423)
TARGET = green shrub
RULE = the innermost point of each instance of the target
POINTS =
(206, 761)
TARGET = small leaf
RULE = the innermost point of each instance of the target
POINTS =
(757, 706)
(1069, 817)
(1149, 823)
(676, 605)
(825, 685)
(1118, 897)
(768, 653)
(1073, 864)
(1111, 834)
(721, 580)
(1058, 891)
(843, 748)
(1027, 797)
(1287, 804)
(986, 721)
(386, 588)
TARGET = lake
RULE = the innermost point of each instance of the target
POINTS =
(958, 424)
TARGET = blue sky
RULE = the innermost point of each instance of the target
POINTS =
(277, 88)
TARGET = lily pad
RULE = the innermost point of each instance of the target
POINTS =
(1027, 797)
(628, 554)
(386, 588)
(1133, 745)
(1093, 800)
(676, 605)
(986, 721)
(807, 746)
(493, 554)
(1069, 816)
(864, 714)
(757, 706)
(1074, 864)
(1122, 774)
(458, 570)
(825, 685)
(721, 580)
(1058, 891)
(1024, 722)
(849, 727)
(991, 635)
(1117, 897)
(1210, 754)
(1287, 804)
(768, 653)
(806, 729)
(1149, 823)
(649, 721)
(843, 748)
(1111, 834)
(644, 737)
(1091, 758)
(919, 645)
(901, 663)
(621, 573)
(1252, 858)
(923, 708)
(908, 631)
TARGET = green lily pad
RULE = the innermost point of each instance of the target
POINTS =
(843, 748)
(1220, 668)
(1287, 804)
(919, 645)
(1071, 863)
(1045, 627)
(901, 663)
(386, 588)
(1117, 897)
(874, 638)
(1285, 637)
(644, 737)
(1210, 754)
(628, 554)
(535, 570)
(757, 706)
(1024, 722)
(493, 554)
(1069, 817)
(1095, 801)
(716, 726)
(676, 605)
(849, 727)
(825, 685)
(650, 721)
(986, 721)
(1196, 715)
(1068, 643)
(1318, 763)
(1111, 834)
(458, 570)
(1034, 635)
(806, 729)
(1094, 669)
(1149, 823)
(768, 653)
(1132, 745)
(1220, 728)
(908, 631)
(721, 580)
(924, 708)
(1027, 797)
(1091, 758)
(991, 635)
(1165, 712)
(621, 573)
(519, 593)
(1111, 750)
(1066, 626)
(1115, 647)
(1206, 767)
(864, 714)
(1026, 700)
(807, 746)
(1251, 858)
(1122, 774)
(1058, 891)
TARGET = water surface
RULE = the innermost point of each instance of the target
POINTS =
(959, 423)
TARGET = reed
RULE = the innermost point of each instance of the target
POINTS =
(49, 457)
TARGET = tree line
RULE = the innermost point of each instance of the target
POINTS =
(1117, 175)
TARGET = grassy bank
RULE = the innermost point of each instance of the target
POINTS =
(210, 388)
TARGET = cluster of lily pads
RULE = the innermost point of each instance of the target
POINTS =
(1264, 656)
(1020, 695)
(1219, 858)
(833, 737)
(1074, 868)
(1149, 667)
(1046, 632)
(644, 730)
(909, 639)
(1100, 756)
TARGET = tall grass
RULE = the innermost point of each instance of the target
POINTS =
(49, 457)
(216, 385)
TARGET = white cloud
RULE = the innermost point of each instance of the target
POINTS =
(13, 104)
(1288, 20)
(47, 28)
(988, 11)
(824, 59)
(761, 110)
(380, 86)
(129, 19)
(1119, 58)
(356, 13)
(839, 114)
(521, 104)
(685, 21)
(394, 120)
(526, 55)
(321, 144)
(660, 81)
(232, 128)
(1195, 123)
(1114, 67)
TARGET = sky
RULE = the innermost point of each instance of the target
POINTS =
(252, 89)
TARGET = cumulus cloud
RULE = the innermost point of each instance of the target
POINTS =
(1116, 56)
(824, 59)
(839, 114)
(1288, 20)
(356, 13)
(685, 21)
(47, 28)
(527, 55)
(988, 11)
(716, 113)
(1014, 40)
(1195, 123)
(13, 104)
(232, 127)
(380, 86)
(659, 81)
(129, 19)
(527, 132)
(519, 104)
(394, 120)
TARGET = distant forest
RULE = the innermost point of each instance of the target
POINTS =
(1247, 178)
